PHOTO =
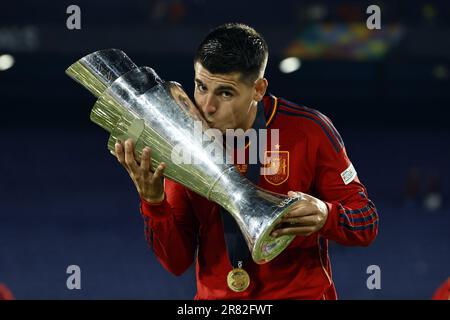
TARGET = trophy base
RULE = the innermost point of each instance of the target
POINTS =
(267, 247)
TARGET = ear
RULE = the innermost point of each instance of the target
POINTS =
(260, 88)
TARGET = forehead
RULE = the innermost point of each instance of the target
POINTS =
(202, 74)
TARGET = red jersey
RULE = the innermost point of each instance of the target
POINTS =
(5, 293)
(443, 292)
(313, 160)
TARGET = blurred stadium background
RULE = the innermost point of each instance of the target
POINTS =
(65, 200)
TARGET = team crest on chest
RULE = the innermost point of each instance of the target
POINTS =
(276, 170)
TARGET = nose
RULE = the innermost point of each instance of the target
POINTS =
(210, 106)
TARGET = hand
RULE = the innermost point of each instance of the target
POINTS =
(305, 217)
(149, 185)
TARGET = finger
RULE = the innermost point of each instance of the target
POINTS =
(306, 221)
(159, 171)
(297, 231)
(129, 155)
(145, 160)
(297, 194)
(301, 210)
(292, 194)
(120, 155)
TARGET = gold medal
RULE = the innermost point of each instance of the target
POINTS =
(238, 279)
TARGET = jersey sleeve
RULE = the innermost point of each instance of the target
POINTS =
(171, 228)
(352, 216)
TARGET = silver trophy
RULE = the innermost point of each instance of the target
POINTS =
(134, 102)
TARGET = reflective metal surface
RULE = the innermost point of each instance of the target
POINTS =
(135, 103)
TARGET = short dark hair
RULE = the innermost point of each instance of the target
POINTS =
(233, 47)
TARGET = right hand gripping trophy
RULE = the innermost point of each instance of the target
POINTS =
(133, 102)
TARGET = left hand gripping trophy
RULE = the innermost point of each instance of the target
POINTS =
(133, 102)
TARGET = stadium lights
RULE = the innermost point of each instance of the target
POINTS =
(6, 61)
(290, 64)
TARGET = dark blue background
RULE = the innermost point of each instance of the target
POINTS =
(65, 200)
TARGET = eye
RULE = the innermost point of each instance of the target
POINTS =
(226, 94)
(201, 87)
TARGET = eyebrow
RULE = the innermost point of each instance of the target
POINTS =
(219, 88)
(226, 88)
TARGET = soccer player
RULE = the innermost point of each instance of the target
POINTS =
(183, 227)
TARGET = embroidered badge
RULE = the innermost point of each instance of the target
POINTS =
(348, 174)
(276, 170)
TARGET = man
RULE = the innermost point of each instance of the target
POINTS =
(230, 92)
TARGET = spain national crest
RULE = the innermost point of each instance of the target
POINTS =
(277, 167)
